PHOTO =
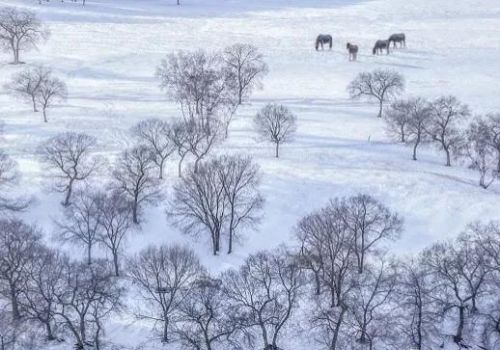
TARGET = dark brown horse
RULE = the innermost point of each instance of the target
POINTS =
(398, 38)
(323, 39)
(380, 45)
(353, 51)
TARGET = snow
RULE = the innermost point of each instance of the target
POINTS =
(108, 51)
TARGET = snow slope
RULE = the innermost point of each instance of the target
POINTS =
(108, 51)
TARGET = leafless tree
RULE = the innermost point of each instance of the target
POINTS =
(26, 83)
(239, 178)
(18, 243)
(420, 314)
(379, 85)
(493, 121)
(480, 153)
(370, 303)
(20, 30)
(89, 295)
(50, 91)
(276, 123)
(199, 83)
(114, 217)
(447, 115)
(81, 223)
(157, 135)
(460, 273)
(397, 118)
(419, 118)
(199, 204)
(205, 321)
(133, 177)
(220, 198)
(164, 277)
(247, 68)
(199, 141)
(45, 275)
(370, 223)
(265, 291)
(9, 177)
(69, 159)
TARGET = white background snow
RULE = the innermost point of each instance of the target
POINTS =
(108, 51)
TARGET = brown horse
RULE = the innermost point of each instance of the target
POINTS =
(323, 39)
(397, 38)
(380, 45)
(353, 51)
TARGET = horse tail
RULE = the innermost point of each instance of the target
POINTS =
(374, 49)
(331, 42)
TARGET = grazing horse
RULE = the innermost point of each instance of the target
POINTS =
(323, 39)
(397, 38)
(380, 45)
(353, 51)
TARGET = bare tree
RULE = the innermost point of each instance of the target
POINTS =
(420, 314)
(239, 178)
(370, 304)
(133, 177)
(18, 243)
(20, 30)
(480, 153)
(265, 292)
(26, 84)
(199, 204)
(460, 273)
(81, 224)
(9, 177)
(493, 121)
(164, 277)
(205, 319)
(69, 159)
(397, 118)
(276, 123)
(370, 223)
(198, 82)
(447, 115)
(50, 91)
(247, 68)
(114, 218)
(379, 85)
(45, 275)
(420, 114)
(180, 139)
(89, 295)
(220, 198)
(157, 135)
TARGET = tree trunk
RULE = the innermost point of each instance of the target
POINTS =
(44, 110)
(89, 253)
(15, 305)
(34, 103)
(381, 104)
(461, 320)
(337, 328)
(317, 282)
(277, 149)
(134, 213)
(116, 264)
(415, 149)
(161, 169)
(165, 338)
(48, 328)
(448, 157)
(179, 166)
(68, 193)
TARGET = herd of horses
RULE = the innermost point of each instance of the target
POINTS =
(380, 45)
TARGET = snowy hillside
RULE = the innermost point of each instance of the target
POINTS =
(108, 51)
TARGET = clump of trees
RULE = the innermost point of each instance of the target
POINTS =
(445, 122)
(20, 30)
(219, 198)
(39, 87)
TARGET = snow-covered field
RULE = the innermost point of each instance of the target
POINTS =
(108, 51)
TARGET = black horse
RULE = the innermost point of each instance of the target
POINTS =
(323, 39)
(397, 38)
(380, 45)
(353, 51)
